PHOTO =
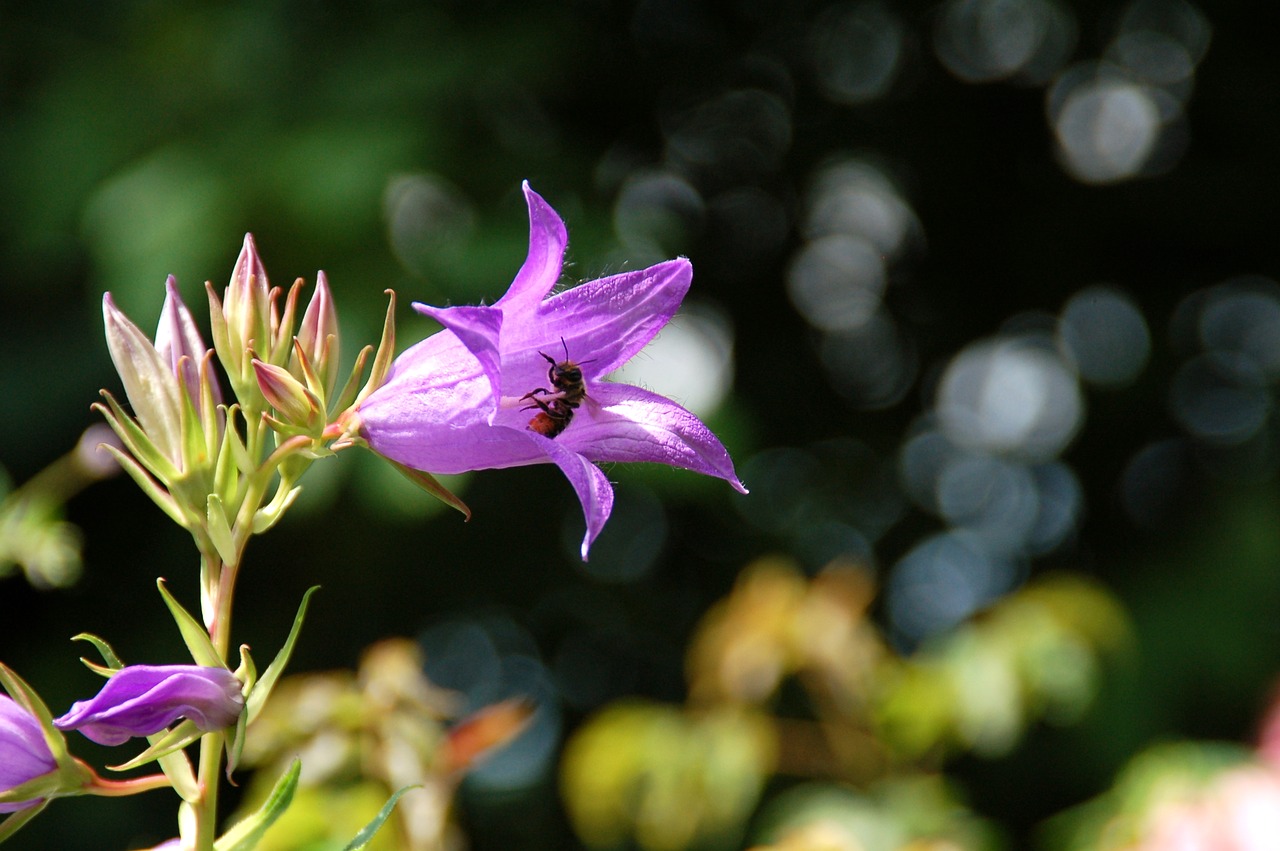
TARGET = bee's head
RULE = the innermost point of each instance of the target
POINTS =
(568, 371)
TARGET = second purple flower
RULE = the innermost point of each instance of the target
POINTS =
(140, 700)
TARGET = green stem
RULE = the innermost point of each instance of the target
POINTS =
(221, 585)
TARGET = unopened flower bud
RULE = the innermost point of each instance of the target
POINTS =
(296, 405)
(246, 303)
(178, 341)
(149, 380)
(141, 700)
(318, 336)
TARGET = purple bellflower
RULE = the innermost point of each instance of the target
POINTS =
(492, 389)
(140, 700)
(24, 754)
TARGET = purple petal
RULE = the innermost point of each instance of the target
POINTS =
(593, 488)
(603, 323)
(144, 699)
(478, 329)
(626, 423)
(24, 754)
(541, 269)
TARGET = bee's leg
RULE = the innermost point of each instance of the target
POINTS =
(540, 391)
(538, 403)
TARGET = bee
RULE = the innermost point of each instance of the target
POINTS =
(567, 392)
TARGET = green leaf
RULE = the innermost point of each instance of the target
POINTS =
(262, 690)
(197, 640)
(108, 655)
(245, 834)
(366, 833)
(431, 485)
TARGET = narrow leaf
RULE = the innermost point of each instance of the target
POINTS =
(366, 833)
(386, 351)
(135, 439)
(108, 655)
(150, 486)
(431, 485)
(220, 530)
(15, 821)
(258, 697)
(349, 390)
(162, 744)
(197, 640)
(245, 834)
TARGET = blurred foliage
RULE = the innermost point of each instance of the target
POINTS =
(361, 737)
(991, 199)
(864, 715)
(34, 536)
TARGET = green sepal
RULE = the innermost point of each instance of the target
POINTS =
(233, 458)
(16, 820)
(220, 530)
(45, 786)
(349, 390)
(150, 486)
(386, 351)
(195, 453)
(108, 655)
(282, 345)
(163, 744)
(208, 408)
(218, 331)
(366, 833)
(431, 485)
(244, 835)
(314, 383)
(269, 515)
(139, 444)
(196, 639)
(262, 689)
(247, 674)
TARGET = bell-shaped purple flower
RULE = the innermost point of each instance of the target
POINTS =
(24, 754)
(140, 700)
(521, 381)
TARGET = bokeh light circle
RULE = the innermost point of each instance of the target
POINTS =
(1105, 336)
(1012, 396)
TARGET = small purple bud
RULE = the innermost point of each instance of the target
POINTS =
(24, 754)
(144, 699)
(246, 301)
(177, 337)
(295, 404)
(318, 334)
